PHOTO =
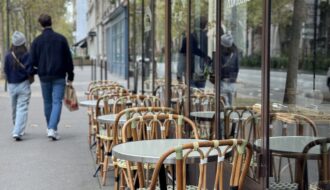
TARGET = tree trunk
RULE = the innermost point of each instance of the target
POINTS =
(295, 35)
(2, 42)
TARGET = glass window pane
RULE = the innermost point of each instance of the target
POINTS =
(240, 72)
(159, 49)
(299, 91)
(135, 39)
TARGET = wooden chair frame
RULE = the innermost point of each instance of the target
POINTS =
(145, 128)
(288, 120)
(113, 129)
(241, 151)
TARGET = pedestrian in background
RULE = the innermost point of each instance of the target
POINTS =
(17, 70)
(51, 55)
(229, 68)
(198, 45)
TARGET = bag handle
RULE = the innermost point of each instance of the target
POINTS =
(17, 60)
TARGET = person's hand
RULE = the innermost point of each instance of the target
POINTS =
(69, 83)
(207, 60)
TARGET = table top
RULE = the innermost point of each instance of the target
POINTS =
(110, 118)
(149, 151)
(290, 144)
(90, 103)
(203, 114)
(210, 115)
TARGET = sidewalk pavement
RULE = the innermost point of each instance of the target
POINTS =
(36, 163)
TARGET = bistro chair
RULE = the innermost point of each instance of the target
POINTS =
(177, 95)
(104, 106)
(148, 127)
(239, 150)
(200, 102)
(323, 159)
(250, 130)
(99, 83)
(234, 118)
(95, 94)
(288, 124)
(136, 101)
(113, 131)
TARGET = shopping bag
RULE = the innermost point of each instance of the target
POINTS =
(70, 98)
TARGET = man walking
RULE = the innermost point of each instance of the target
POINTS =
(51, 56)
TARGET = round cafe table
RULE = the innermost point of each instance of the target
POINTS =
(290, 144)
(91, 103)
(292, 147)
(209, 115)
(110, 118)
(149, 151)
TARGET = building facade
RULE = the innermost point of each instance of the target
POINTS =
(107, 31)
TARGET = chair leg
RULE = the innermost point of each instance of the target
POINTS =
(90, 135)
(105, 169)
(116, 175)
(123, 179)
(130, 175)
(97, 152)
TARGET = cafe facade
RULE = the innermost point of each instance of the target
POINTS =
(175, 48)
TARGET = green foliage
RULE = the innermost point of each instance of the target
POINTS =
(253, 61)
(25, 13)
(279, 62)
(281, 12)
(322, 62)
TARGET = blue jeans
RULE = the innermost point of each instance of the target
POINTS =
(53, 93)
(228, 91)
(20, 98)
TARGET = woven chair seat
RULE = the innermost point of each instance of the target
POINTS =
(104, 137)
(283, 186)
(123, 164)
(315, 185)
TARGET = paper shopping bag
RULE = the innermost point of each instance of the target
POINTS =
(70, 98)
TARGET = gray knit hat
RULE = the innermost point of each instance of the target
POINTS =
(18, 38)
(227, 40)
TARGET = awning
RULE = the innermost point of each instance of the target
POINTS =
(82, 43)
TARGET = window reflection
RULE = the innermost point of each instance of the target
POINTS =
(299, 55)
(240, 74)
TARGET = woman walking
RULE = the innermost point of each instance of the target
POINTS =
(19, 74)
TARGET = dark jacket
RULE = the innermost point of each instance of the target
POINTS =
(230, 66)
(51, 55)
(17, 74)
(195, 50)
